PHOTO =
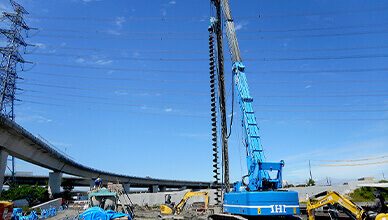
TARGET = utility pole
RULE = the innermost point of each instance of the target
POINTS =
(221, 93)
(10, 59)
(311, 176)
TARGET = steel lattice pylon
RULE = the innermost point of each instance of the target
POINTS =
(10, 59)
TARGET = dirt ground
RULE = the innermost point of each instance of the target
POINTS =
(142, 214)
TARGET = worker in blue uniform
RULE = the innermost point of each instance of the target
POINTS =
(98, 183)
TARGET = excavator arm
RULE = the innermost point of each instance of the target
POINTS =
(170, 209)
(333, 198)
(190, 194)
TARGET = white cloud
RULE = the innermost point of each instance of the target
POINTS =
(164, 12)
(40, 45)
(98, 61)
(119, 21)
(113, 32)
(309, 86)
(241, 25)
(33, 118)
(103, 62)
(168, 110)
(172, 2)
(121, 93)
(80, 60)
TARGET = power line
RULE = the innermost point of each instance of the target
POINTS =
(313, 35)
(118, 50)
(195, 116)
(109, 90)
(120, 38)
(171, 71)
(312, 28)
(317, 58)
(344, 81)
(111, 110)
(317, 49)
(204, 38)
(207, 18)
(315, 13)
(277, 110)
(198, 91)
(321, 71)
(357, 56)
(268, 82)
(186, 103)
(349, 165)
(118, 69)
(121, 104)
(197, 51)
(321, 96)
(196, 108)
(126, 88)
(374, 158)
(120, 58)
(204, 32)
(339, 105)
(110, 98)
(311, 92)
(323, 119)
(199, 94)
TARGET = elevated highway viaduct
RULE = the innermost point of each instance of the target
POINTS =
(18, 142)
(85, 182)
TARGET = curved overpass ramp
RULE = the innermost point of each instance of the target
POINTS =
(18, 142)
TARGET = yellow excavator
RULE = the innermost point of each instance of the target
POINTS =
(336, 202)
(171, 208)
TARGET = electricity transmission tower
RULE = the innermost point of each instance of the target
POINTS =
(11, 57)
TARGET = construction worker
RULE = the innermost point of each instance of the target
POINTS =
(98, 183)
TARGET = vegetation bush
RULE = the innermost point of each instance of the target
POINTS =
(365, 194)
(31, 193)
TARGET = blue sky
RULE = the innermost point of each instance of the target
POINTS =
(100, 92)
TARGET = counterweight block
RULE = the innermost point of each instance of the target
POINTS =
(262, 203)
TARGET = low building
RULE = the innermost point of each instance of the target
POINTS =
(366, 178)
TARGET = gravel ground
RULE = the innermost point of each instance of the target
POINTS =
(65, 214)
(142, 214)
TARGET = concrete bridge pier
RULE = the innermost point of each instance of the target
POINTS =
(163, 189)
(153, 189)
(55, 180)
(3, 166)
(127, 187)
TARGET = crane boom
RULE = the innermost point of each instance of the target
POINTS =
(234, 49)
(259, 177)
(259, 196)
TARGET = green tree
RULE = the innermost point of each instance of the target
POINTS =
(311, 182)
(31, 193)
